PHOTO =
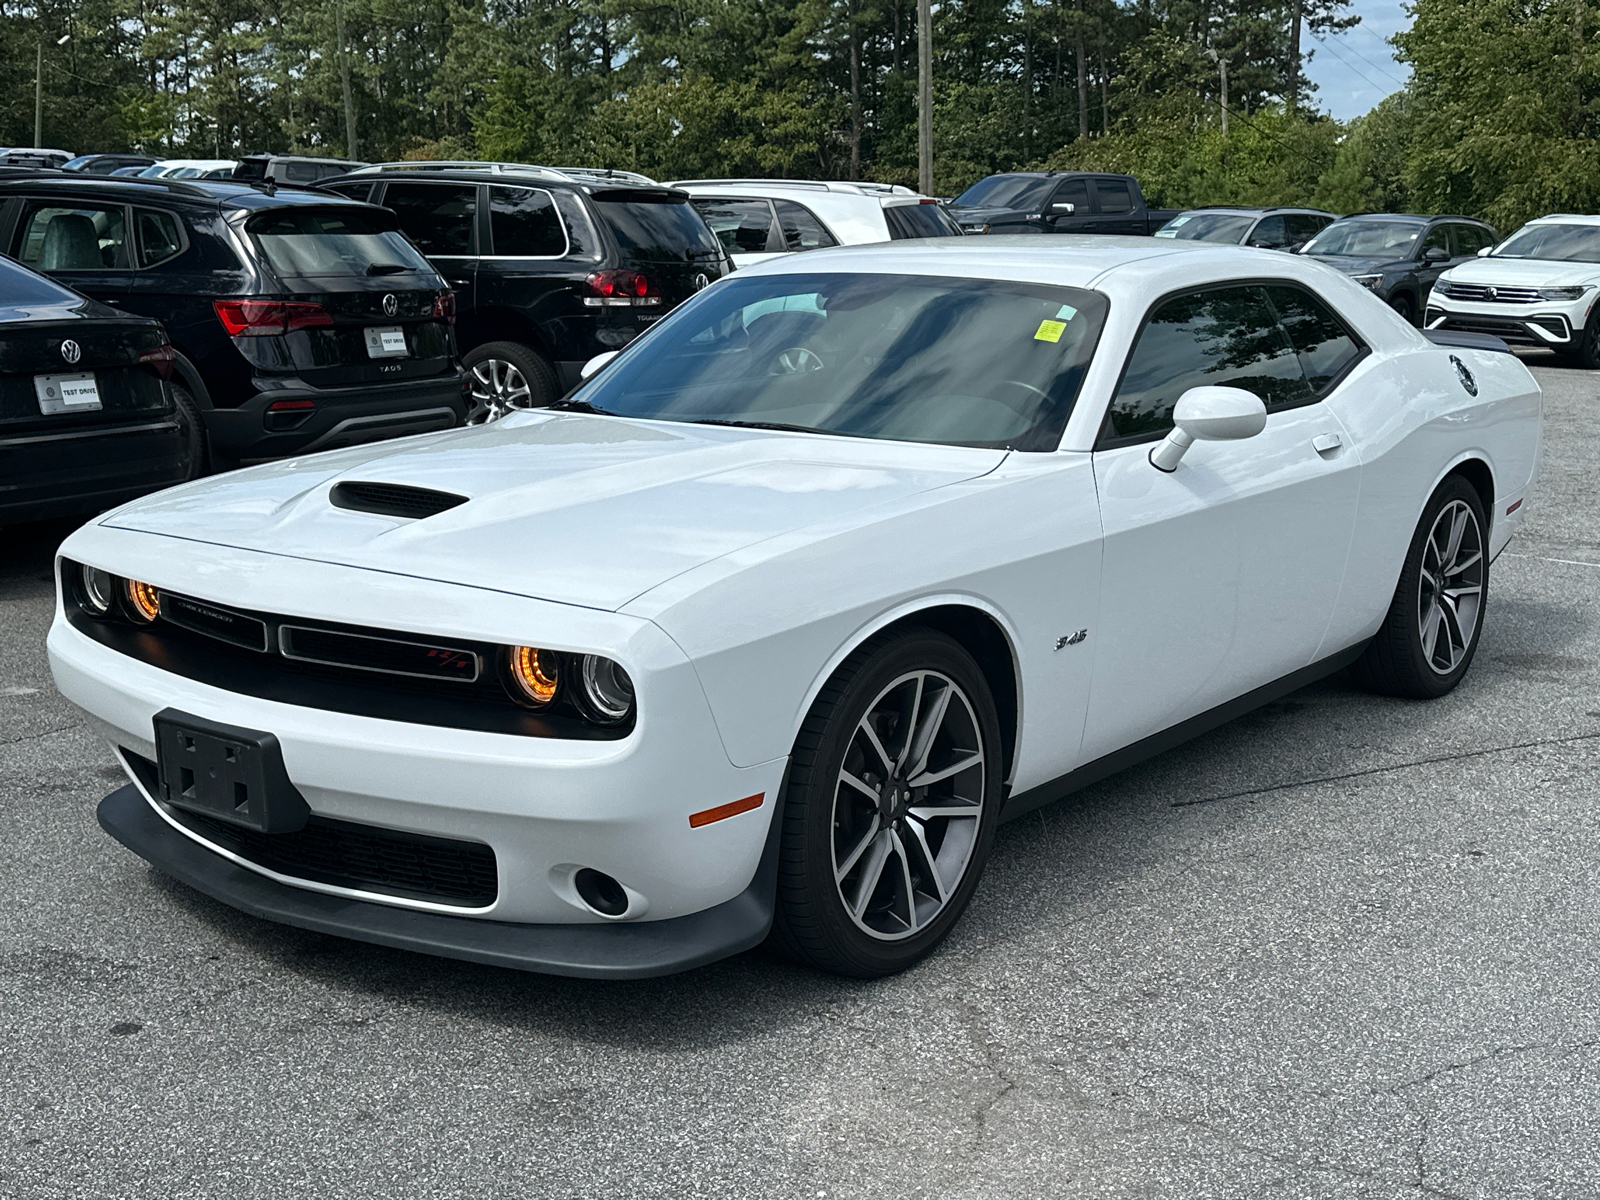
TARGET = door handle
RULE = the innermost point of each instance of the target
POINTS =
(1326, 443)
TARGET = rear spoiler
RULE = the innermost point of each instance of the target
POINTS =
(1466, 341)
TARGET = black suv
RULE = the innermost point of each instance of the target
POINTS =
(301, 321)
(1399, 255)
(549, 270)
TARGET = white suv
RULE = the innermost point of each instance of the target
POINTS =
(1536, 288)
(758, 219)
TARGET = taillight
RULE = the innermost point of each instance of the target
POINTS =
(268, 318)
(444, 307)
(160, 360)
(621, 289)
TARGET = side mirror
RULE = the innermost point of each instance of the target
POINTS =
(1436, 254)
(595, 363)
(1065, 210)
(1208, 414)
(1485, 252)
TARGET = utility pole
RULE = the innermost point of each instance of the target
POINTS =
(925, 97)
(350, 148)
(1222, 69)
(38, 88)
(1294, 56)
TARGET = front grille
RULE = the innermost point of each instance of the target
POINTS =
(393, 499)
(1504, 328)
(1481, 293)
(389, 656)
(365, 858)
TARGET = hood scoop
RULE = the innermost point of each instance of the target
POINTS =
(393, 499)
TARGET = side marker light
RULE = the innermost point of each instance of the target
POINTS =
(1515, 505)
(723, 811)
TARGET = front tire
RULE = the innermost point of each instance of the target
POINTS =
(507, 377)
(890, 807)
(1587, 355)
(1403, 305)
(1428, 639)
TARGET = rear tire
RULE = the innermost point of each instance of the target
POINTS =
(193, 431)
(1428, 638)
(886, 832)
(507, 377)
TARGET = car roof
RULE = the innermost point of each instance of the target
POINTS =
(1419, 218)
(1257, 212)
(843, 186)
(218, 193)
(1567, 219)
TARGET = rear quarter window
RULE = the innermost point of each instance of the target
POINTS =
(523, 223)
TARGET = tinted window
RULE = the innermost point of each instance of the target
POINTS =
(302, 172)
(298, 242)
(801, 230)
(1326, 348)
(523, 222)
(907, 221)
(356, 191)
(1114, 195)
(1228, 337)
(159, 236)
(438, 217)
(742, 226)
(1438, 239)
(82, 237)
(1074, 192)
(1006, 191)
(905, 358)
(1304, 226)
(651, 230)
(1271, 232)
(1470, 239)
(1229, 228)
(19, 286)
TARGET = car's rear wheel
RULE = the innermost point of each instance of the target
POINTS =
(1428, 638)
(193, 433)
(893, 793)
(507, 377)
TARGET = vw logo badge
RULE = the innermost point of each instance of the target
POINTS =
(71, 351)
(1491, 293)
(390, 305)
(1467, 381)
(701, 282)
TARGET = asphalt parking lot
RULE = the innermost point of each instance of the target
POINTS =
(1344, 947)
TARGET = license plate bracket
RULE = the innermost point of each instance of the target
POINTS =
(57, 394)
(386, 341)
(227, 772)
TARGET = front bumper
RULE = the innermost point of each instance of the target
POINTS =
(1551, 324)
(618, 951)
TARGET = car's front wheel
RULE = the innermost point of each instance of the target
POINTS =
(1430, 634)
(507, 377)
(893, 793)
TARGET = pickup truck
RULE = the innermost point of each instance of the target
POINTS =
(1057, 202)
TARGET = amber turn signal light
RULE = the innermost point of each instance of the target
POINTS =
(144, 602)
(535, 674)
(723, 811)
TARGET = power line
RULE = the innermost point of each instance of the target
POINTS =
(1336, 52)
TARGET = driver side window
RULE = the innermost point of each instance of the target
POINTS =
(1222, 336)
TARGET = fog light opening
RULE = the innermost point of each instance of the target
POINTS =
(600, 892)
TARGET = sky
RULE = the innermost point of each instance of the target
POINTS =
(1356, 69)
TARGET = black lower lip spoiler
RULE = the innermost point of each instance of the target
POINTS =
(630, 950)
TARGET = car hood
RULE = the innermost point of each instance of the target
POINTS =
(1351, 265)
(566, 507)
(1527, 272)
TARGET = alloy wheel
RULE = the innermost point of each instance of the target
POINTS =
(498, 389)
(908, 805)
(1450, 587)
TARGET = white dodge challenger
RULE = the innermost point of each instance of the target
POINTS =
(763, 630)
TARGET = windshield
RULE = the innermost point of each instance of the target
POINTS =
(964, 362)
(1366, 239)
(1006, 191)
(299, 242)
(1556, 242)
(1207, 227)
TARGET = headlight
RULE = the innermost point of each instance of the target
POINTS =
(144, 602)
(1373, 282)
(535, 674)
(1562, 293)
(99, 590)
(607, 692)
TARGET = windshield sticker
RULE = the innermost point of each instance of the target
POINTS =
(1049, 331)
(1066, 312)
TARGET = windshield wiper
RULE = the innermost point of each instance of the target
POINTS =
(778, 425)
(386, 268)
(579, 406)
